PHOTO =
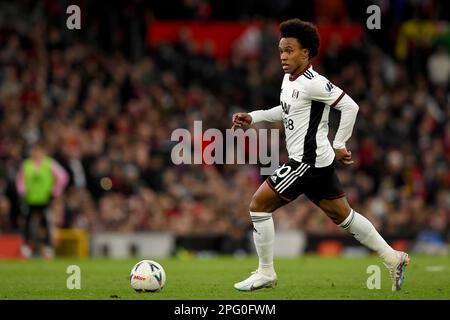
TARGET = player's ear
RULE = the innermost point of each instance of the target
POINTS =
(305, 53)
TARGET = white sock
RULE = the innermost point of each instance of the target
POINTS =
(364, 231)
(263, 236)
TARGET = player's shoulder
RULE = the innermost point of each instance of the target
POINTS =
(316, 77)
(320, 82)
(308, 79)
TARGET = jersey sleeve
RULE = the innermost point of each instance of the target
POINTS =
(62, 178)
(20, 181)
(349, 110)
(322, 90)
(271, 115)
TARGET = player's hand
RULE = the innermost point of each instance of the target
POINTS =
(344, 156)
(240, 119)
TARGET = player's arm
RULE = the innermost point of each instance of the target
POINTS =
(324, 91)
(61, 178)
(271, 115)
(20, 182)
(349, 110)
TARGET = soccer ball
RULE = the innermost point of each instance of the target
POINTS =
(147, 276)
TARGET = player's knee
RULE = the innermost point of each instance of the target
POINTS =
(259, 205)
(255, 205)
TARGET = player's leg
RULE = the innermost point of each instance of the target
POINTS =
(329, 196)
(364, 231)
(264, 202)
(360, 227)
(46, 225)
(26, 249)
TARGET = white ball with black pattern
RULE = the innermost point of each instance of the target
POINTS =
(147, 276)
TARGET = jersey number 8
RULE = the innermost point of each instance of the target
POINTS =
(289, 124)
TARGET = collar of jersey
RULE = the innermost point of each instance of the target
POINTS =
(303, 71)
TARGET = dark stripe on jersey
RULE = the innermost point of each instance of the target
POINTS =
(310, 146)
(291, 78)
(308, 74)
(337, 100)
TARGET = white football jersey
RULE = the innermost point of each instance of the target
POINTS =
(306, 102)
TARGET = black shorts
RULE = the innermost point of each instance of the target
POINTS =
(295, 178)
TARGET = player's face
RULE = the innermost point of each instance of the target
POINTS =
(293, 57)
(37, 153)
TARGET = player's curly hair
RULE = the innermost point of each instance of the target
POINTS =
(305, 32)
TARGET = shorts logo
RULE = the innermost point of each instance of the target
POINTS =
(274, 178)
(283, 171)
(290, 177)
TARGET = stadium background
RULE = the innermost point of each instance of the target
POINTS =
(108, 97)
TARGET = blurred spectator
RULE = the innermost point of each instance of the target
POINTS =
(439, 67)
(330, 11)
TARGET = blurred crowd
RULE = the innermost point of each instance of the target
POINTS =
(107, 117)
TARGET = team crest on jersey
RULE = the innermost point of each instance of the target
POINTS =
(295, 94)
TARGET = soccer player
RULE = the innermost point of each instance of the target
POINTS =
(39, 180)
(305, 101)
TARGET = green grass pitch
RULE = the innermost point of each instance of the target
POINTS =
(212, 278)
